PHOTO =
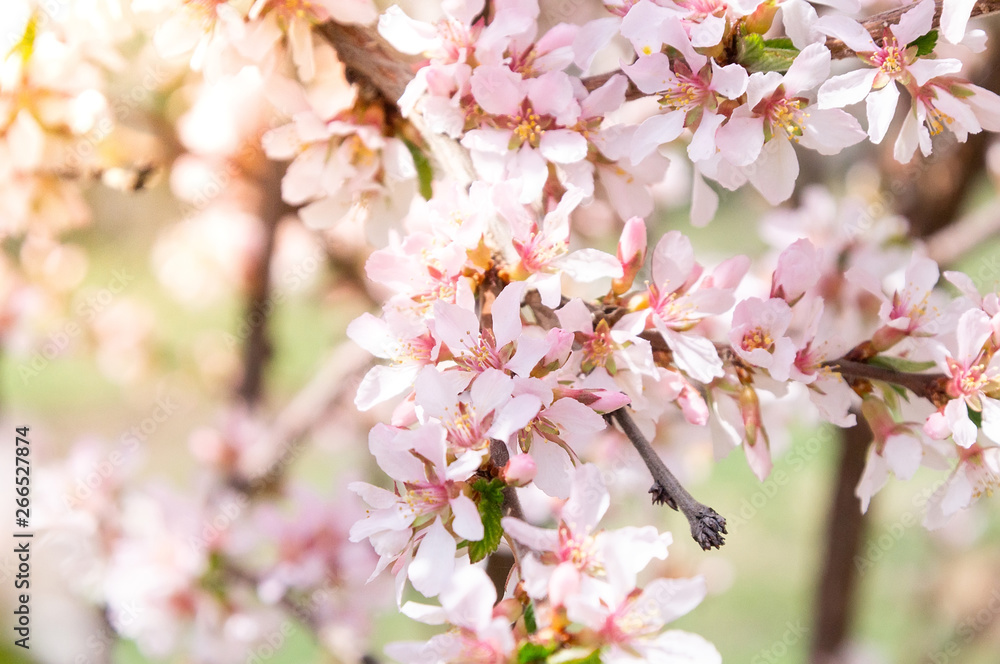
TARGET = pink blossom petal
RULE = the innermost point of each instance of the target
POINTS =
(956, 413)
(605, 99)
(384, 382)
(915, 22)
(673, 260)
(554, 468)
(694, 355)
(703, 142)
(848, 31)
(665, 600)
(810, 68)
(974, 329)
(903, 454)
(881, 110)
(650, 73)
(846, 89)
(516, 415)
(729, 81)
(654, 132)
(588, 501)
(591, 38)
(830, 130)
(552, 94)
(507, 314)
(497, 89)
(924, 70)
(909, 138)
(467, 523)
(431, 568)
(954, 19)
(991, 418)
(563, 146)
(708, 32)
(405, 34)
(704, 201)
(774, 173)
(740, 140)
(456, 326)
(533, 537)
(587, 265)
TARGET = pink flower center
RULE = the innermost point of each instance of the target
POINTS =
(579, 551)
(756, 338)
(424, 497)
(598, 349)
(687, 94)
(889, 58)
(786, 115)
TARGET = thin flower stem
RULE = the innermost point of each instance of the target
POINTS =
(707, 527)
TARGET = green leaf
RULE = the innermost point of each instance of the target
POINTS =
(758, 55)
(533, 652)
(529, 618)
(899, 364)
(425, 174)
(491, 511)
(784, 43)
(571, 656)
(925, 44)
(976, 417)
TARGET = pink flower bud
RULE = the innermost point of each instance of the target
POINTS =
(631, 253)
(520, 470)
(560, 344)
(797, 271)
(600, 400)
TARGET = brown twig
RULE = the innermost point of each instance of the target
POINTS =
(927, 386)
(370, 61)
(257, 344)
(707, 527)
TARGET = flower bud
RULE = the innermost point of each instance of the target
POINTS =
(631, 253)
(520, 470)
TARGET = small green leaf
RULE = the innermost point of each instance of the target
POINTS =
(784, 43)
(925, 43)
(491, 511)
(899, 364)
(572, 657)
(425, 174)
(758, 55)
(530, 623)
(976, 417)
(532, 653)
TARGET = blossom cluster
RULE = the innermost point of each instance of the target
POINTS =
(506, 345)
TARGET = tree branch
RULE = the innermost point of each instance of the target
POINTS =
(257, 345)
(927, 386)
(370, 61)
(707, 527)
